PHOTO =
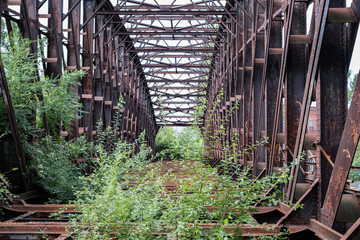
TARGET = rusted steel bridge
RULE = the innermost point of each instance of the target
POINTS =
(274, 62)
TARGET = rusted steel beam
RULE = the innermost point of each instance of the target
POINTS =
(175, 109)
(54, 48)
(164, 12)
(174, 72)
(73, 56)
(295, 81)
(175, 66)
(178, 88)
(188, 49)
(258, 86)
(183, 38)
(87, 61)
(246, 84)
(174, 102)
(184, 33)
(324, 232)
(175, 116)
(176, 81)
(169, 96)
(332, 94)
(152, 56)
(174, 7)
(343, 160)
(342, 15)
(164, 17)
(278, 105)
(100, 54)
(49, 208)
(309, 85)
(271, 71)
(63, 228)
(353, 233)
(33, 228)
(174, 124)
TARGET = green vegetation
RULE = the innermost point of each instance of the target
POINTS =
(34, 96)
(181, 143)
(352, 79)
(59, 102)
(126, 197)
(55, 167)
(4, 191)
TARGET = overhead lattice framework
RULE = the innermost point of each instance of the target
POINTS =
(276, 63)
(176, 44)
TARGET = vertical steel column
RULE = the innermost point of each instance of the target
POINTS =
(344, 157)
(100, 59)
(333, 92)
(247, 58)
(295, 80)
(272, 81)
(73, 54)
(87, 57)
(54, 47)
(333, 107)
(258, 65)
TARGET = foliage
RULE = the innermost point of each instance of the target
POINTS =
(54, 162)
(4, 190)
(351, 80)
(21, 75)
(355, 174)
(104, 199)
(165, 138)
(33, 96)
(182, 143)
(125, 197)
(25, 85)
(60, 103)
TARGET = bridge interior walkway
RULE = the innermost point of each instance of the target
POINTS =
(243, 71)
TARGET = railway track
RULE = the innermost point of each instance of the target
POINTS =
(35, 221)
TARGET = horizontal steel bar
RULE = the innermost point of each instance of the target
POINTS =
(176, 88)
(177, 81)
(173, 72)
(175, 66)
(173, 7)
(174, 116)
(205, 57)
(177, 95)
(165, 12)
(175, 109)
(202, 33)
(192, 103)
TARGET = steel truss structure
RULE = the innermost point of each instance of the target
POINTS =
(273, 62)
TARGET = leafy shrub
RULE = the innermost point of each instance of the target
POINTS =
(104, 200)
(26, 83)
(59, 102)
(125, 197)
(4, 191)
(185, 143)
(54, 164)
